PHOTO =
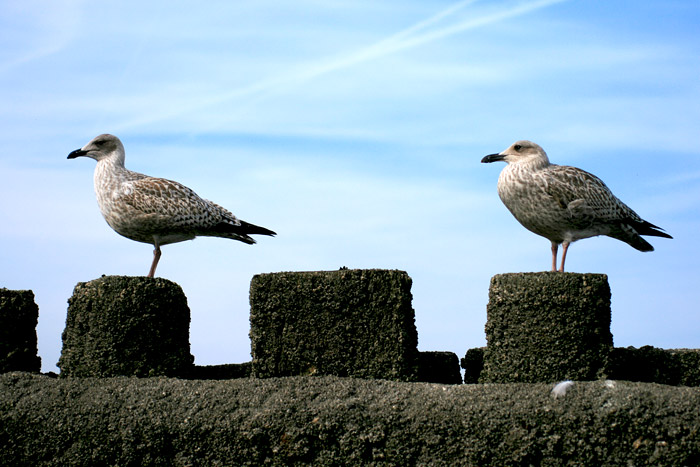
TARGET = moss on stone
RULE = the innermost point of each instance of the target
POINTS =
(545, 327)
(135, 326)
(346, 323)
(473, 364)
(342, 421)
(18, 318)
(653, 365)
(439, 367)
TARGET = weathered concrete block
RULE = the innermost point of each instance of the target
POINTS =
(346, 323)
(473, 364)
(545, 327)
(677, 367)
(119, 325)
(219, 372)
(439, 367)
(647, 364)
(689, 362)
(18, 317)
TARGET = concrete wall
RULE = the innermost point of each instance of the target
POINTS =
(326, 420)
(541, 328)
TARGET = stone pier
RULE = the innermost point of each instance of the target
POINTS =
(127, 326)
(356, 323)
(546, 327)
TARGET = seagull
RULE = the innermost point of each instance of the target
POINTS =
(565, 204)
(155, 210)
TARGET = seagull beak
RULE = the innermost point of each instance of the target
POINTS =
(77, 153)
(489, 158)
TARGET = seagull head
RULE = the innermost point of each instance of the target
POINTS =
(520, 152)
(101, 147)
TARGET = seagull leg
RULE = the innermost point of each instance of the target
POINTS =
(565, 247)
(555, 248)
(156, 258)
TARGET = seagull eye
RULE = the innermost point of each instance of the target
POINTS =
(517, 147)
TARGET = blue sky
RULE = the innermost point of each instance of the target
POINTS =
(355, 130)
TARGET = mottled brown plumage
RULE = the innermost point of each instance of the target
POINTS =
(155, 210)
(564, 204)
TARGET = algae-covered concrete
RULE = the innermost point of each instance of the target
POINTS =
(547, 326)
(674, 367)
(438, 367)
(349, 322)
(223, 371)
(473, 364)
(18, 319)
(126, 326)
(677, 367)
(342, 421)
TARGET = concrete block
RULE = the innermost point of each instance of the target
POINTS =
(132, 326)
(688, 361)
(547, 327)
(439, 367)
(677, 367)
(356, 323)
(18, 318)
(220, 372)
(473, 365)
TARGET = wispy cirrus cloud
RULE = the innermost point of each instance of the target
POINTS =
(445, 23)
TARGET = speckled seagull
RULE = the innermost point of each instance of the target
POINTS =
(155, 210)
(565, 204)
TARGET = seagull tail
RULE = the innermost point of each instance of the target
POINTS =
(630, 232)
(239, 231)
(253, 229)
(636, 242)
(647, 228)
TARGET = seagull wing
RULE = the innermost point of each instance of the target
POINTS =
(171, 201)
(172, 210)
(586, 197)
(590, 202)
(174, 207)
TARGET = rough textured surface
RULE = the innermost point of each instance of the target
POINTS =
(433, 367)
(344, 323)
(653, 365)
(225, 371)
(473, 364)
(545, 327)
(18, 319)
(689, 362)
(119, 325)
(674, 367)
(342, 421)
(439, 367)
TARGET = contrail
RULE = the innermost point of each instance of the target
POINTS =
(422, 24)
(473, 24)
(410, 37)
(403, 39)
